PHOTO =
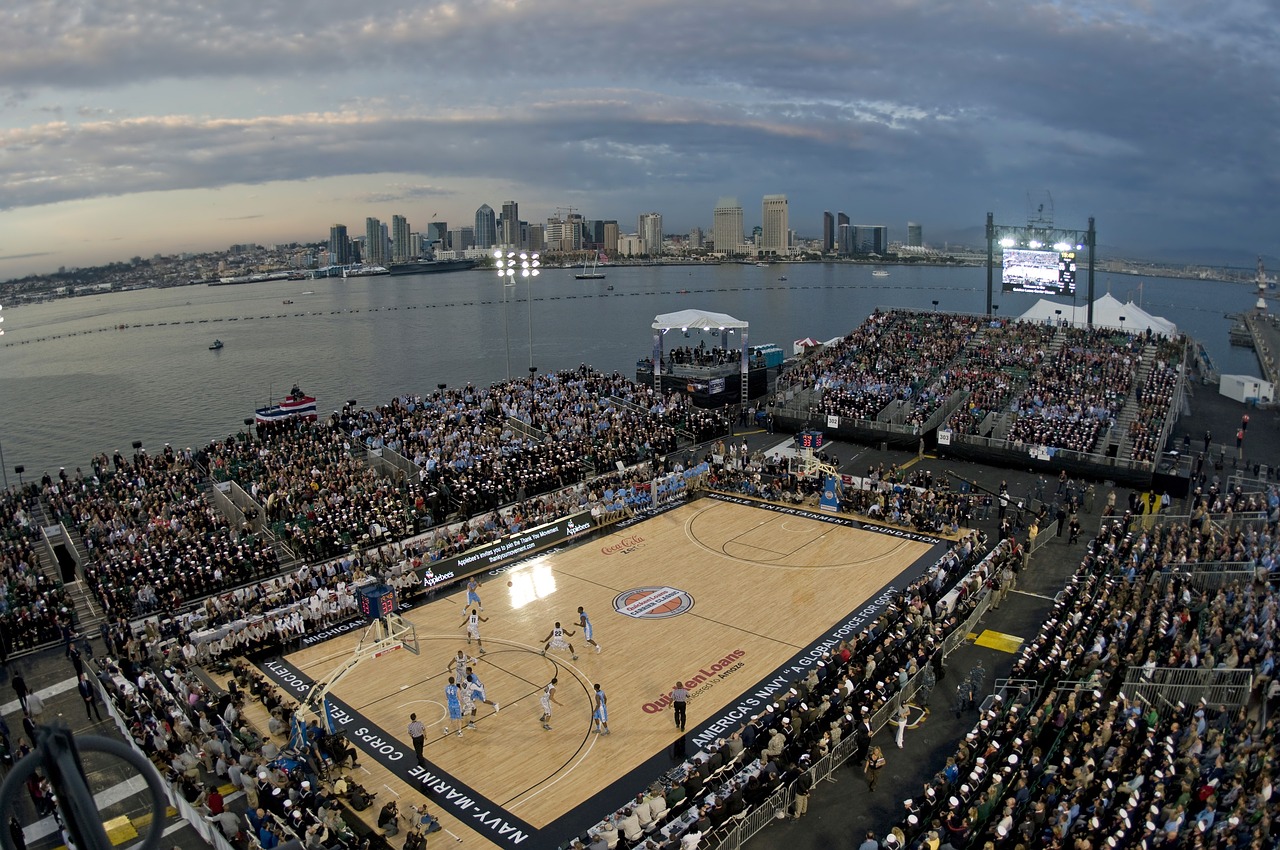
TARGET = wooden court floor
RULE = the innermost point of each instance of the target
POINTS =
(760, 586)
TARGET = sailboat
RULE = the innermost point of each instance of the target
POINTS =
(594, 273)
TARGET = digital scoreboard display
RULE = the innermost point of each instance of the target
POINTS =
(1039, 272)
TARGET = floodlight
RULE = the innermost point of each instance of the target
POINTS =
(1007, 242)
(1061, 246)
(497, 255)
(1034, 244)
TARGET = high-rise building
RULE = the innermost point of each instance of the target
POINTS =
(870, 238)
(774, 224)
(828, 232)
(462, 238)
(844, 235)
(574, 231)
(844, 239)
(339, 245)
(554, 232)
(510, 236)
(610, 242)
(650, 233)
(695, 238)
(438, 231)
(401, 249)
(915, 235)
(726, 226)
(374, 242)
(486, 227)
(536, 237)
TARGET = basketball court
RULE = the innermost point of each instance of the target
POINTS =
(732, 597)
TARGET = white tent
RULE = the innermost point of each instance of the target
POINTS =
(800, 346)
(702, 319)
(1107, 313)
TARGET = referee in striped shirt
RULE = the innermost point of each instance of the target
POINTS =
(417, 732)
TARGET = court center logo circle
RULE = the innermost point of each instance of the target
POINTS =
(653, 603)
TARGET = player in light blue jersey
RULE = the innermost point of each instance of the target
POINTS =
(454, 704)
(587, 631)
(473, 593)
(601, 715)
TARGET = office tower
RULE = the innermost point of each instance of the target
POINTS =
(593, 233)
(462, 238)
(844, 239)
(774, 224)
(650, 233)
(695, 238)
(536, 237)
(401, 250)
(510, 224)
(726, 226)
(757, 236)
(915, 235)
(870, 238)
(416, 245)
(373, 242)
(339, 245)
(438, 231)
(574, 230)
(828, 232)
(554, 232)
(610, 242)
(486, 227)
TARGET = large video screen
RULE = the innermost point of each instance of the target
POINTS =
(1039, 272)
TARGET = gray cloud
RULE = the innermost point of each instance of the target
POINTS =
(1156, 117)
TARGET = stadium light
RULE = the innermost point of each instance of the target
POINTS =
(1062, 246)
(1034, 244)
(1007, 242)
(529, 265)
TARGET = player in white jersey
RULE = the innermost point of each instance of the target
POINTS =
(587, 631)
(556, 640)
(548, 698)
(459, 666)
(472, 621)
(475, 688)
(601, 715)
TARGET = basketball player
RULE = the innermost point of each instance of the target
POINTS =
(556, 640)
(459, 665)
(548, 698)
(472, 621)
(476, 688)
(464, 699)
(587, 631)
(601, 715)
(473, 593)
(452, 702)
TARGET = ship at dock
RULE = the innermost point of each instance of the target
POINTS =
(431, 267)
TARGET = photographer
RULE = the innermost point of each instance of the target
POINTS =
(389, 819)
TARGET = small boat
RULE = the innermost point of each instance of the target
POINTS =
(609, 287)
(879, 273)
(784, 277)
(217, 345)
(286, 301)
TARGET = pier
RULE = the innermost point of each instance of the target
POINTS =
(1264, 330)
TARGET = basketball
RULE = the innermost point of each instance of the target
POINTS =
(508, 584)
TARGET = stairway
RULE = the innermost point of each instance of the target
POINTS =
(1119, 434)
(66, 568)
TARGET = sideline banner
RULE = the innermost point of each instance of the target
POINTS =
(516, 545)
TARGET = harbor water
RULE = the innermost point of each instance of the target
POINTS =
(95, 373)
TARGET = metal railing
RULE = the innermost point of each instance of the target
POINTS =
(1169, 686)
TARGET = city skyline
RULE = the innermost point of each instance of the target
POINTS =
(240, 124)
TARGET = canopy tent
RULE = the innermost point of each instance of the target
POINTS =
(1107, 312)
(701, 319)
(800, 346)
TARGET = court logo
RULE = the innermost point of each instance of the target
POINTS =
(652, 603)
(624, 546)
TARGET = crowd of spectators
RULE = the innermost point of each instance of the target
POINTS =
(153, 541)
(1071, 396)
(1154, 397)
(33, 608)
(991, 369)
(892, 356)
(1086, 765)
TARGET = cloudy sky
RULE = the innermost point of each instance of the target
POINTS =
(131, 127)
